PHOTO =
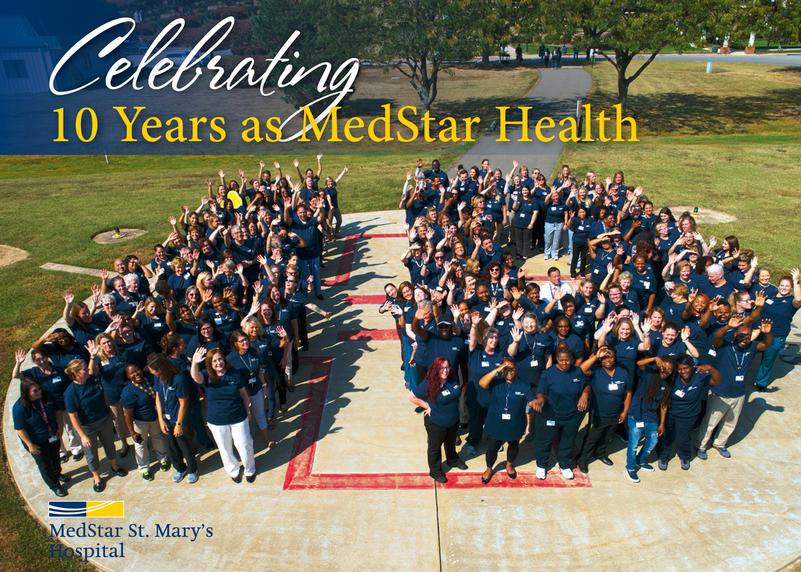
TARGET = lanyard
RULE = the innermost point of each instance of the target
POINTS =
(508, 391)
(528, 343)
(248, 364)
(739, 362)
(42, 413)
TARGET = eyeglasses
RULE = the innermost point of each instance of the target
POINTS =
(439, 258)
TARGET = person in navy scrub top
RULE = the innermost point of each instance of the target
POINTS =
(610, 387)
(438, 396)
(228, 411)
(36, 425)
(648, 412)
(506, 415)
(737, 345)
(689, 390)
(563, 396)
(780, 309)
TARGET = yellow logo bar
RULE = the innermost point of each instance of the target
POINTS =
(105, 509)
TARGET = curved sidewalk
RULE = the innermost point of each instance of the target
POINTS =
(335, 492)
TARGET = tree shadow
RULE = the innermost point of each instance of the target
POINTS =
(704, 114)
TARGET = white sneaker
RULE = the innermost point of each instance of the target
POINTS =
(540, 473)
(568, 474)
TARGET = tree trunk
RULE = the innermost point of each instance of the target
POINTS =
(622, 87)
(485, 57)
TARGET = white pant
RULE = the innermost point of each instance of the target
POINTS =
(149, 429)
(73, 439)
(237, 435)
(257, 406)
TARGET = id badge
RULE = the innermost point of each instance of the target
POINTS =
(713, 353)
(158, 325)
(218, 320)
(646, 284)
(534, 363)
(596, 271)
(588, 309)
(679, 393)
(252, 380)
(484, 364)
(167, 416)
(446, 392)
(506, 416)
(612, 387)
(52, 439)
(551, 423)
(739, 378)
(640, 424)
(56, 379)
(769, 302)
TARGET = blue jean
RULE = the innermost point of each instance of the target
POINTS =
(633, 459)
(409, 371)
(769, 356)
(553, 235)
(308, 268)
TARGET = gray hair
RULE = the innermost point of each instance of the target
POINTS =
(714, 269)
(130, 279)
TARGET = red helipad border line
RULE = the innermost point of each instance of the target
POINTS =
(375, 335)
(377, 299)
(299, 474)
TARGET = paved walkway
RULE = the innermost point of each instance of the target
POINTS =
(554, 95)
(346, 485)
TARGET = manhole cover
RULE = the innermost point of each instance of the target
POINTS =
(704, 215)
(117, 235)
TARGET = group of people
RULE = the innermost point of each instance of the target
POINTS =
(652, 340)
(180, 353)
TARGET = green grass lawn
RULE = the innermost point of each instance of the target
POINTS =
(729, 141)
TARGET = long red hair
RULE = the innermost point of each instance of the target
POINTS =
(433, 377)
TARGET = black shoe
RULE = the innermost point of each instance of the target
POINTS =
(458, 464)
(486, 480)
(584, 468)
(59, 492)
(64, 478)
(251, 478)
(418, 409)
(606, 461)
(118, 472)
(77, 456)
(238, 477)
(99, 486)
(64, 457)
(124, 451)
(440, 478)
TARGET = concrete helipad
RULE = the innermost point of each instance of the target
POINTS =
(346, 487)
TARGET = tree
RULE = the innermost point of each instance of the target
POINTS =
(330, 30)
(422, 37)
(622, 30)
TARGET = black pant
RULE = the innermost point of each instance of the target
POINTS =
(596, 441)
(303, 327)
(548, 428)
(678, 431)
(49, 463)
(522, 240)
(493, 446)
(181, 455)
(538, 236)
(437, 437)
(579, 251)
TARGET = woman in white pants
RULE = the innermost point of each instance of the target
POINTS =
(141, 417)
(228, 411)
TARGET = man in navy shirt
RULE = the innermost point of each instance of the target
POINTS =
(736, 351)
(716, 286)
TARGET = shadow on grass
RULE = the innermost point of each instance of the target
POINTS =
(701, 114)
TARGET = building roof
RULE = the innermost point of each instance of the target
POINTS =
(17, 32)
